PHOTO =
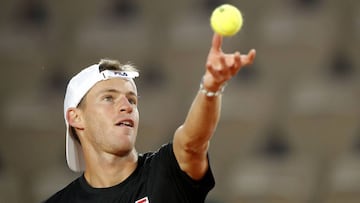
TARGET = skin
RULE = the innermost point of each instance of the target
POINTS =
(191, 140)
(109, 149)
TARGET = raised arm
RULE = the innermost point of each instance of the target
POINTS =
(191, 140)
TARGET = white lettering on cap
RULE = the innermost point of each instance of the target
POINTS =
(120, 74)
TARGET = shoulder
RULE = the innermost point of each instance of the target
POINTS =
(163, 155)
(164, 172)
(64, 194)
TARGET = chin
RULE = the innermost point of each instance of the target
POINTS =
(124, 150)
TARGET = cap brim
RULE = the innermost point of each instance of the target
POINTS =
(74, 154)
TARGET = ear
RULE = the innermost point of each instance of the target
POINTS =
(74, 118)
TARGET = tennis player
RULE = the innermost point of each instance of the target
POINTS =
(102, 121)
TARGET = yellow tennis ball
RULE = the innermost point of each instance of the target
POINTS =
(226, 20)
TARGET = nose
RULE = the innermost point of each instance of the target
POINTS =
(125, 105)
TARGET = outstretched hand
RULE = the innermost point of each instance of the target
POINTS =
(221, 67)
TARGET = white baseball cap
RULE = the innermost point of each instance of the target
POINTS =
(77, 88)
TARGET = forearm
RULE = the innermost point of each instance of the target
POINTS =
(201, 120)
(191, 140)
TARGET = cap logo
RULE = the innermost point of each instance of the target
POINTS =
(119, 74)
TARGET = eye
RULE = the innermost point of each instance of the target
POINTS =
(132, 100)
(108, 98)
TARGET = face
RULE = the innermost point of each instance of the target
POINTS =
(110, 117)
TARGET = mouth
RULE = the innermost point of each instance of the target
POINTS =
(127, 123)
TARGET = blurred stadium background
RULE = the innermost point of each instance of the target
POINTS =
(290, 128)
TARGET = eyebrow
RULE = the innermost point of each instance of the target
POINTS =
(111, 90)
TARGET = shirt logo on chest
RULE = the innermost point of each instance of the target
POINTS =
(143, 200)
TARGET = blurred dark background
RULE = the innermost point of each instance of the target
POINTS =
(290, 127)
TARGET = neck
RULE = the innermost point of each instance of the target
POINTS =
(110, 170)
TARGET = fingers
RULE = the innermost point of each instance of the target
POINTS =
(217, 42)
(249, 58)
(215, 73)
(223, 66)
(252, 54)
(218, 66)
(222, 63)
(237, 63)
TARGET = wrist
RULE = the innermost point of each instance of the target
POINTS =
(211, 92)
